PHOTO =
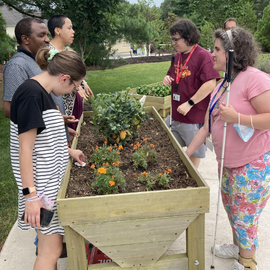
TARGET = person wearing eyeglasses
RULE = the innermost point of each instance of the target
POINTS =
(192, 78)
(229, 24)
(38, 147)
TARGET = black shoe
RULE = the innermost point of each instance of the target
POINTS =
(63, 254)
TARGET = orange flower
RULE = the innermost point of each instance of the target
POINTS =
(92, 166)
(97, 174)
(118, 153)
(135, 147)
(160, 174)
(115, 144)
(169, 171)
(107, 164)
(151, 145)
(137, 144)
(105, 142)
(135, 175)
(110, 149)
(102, 170)
(164, 171)
(120, 147)
(117, 162)
(145, 139)
(114, 164)
(96, 147)
(112, 183)
(144, 174)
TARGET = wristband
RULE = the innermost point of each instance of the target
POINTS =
(191, 102)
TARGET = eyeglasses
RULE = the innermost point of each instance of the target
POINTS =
(175, 39)
(75, 86)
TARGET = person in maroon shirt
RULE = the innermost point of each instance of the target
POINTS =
(192, 78)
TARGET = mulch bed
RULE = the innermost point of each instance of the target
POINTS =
(81, 178)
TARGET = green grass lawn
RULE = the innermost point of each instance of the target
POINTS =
(112, 80)
(8, 187)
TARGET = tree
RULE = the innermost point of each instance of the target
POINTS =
(263, 30)
(217, 12)
(207, 37)
(140, 23)
(90, 18)
(7, 44)
(259, 6)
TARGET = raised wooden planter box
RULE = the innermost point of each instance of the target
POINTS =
(161, 104)
(136, 229)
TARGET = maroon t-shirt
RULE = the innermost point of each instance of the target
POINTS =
(198, 70)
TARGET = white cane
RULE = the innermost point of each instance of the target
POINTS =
(172, 61)
(222, 152)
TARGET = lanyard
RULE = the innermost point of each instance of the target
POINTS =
(178, 76)
(211, 107)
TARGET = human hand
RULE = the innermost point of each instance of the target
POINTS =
(81, 92)
(70, 119)
(168, 80)
(88, 91)
(77, 155)
(228, 114)
(184, 108)
(32, 212)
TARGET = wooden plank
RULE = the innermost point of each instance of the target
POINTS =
(195, 239)
(163, 203)
(146, 241)
(173, 262)
(75, 250)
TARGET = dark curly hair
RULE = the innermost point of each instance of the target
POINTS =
(244, 46)
(187, 30)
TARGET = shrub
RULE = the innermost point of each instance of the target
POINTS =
(117, 116)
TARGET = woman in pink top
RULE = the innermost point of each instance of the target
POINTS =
(246, 173)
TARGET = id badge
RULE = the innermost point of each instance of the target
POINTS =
(176, 97)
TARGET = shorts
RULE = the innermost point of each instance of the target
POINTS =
(245, 192)
(184, 134)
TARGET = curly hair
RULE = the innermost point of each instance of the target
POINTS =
(244, 46)
(187, 30)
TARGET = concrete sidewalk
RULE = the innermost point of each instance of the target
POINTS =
(18, 252)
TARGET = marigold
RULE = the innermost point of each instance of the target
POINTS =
(151, 145)
(105, 142)
(169, 171)
(97, 174)
(117, 162)
(164, 171)
(135, 175)
(114, 164)
(112, 183)
(96, 147)
(137, 144)
(107, 164)
(110, 149)
(102, 170)
(145, 139)
(144, 174)
(92, 166)
(135, 147)
(120, 147)
(118, 153)
(160, 174)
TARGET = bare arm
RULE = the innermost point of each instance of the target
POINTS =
(261, 120)
(32, 208)
(6, 108)
(201, 94)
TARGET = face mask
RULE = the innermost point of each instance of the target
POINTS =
(244, 132)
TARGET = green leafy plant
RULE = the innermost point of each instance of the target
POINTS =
(144, 155)
(104, 154)
(159, 90)
(143, 90)
(163, 179)
(108, 180)
(117, 116)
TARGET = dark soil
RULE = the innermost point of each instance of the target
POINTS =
(81, 178)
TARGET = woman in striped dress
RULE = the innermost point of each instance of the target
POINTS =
(38, 146)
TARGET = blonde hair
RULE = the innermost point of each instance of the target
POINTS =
(64, 62)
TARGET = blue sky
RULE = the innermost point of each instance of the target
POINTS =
(157, 2)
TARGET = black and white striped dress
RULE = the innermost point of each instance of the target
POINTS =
(32, 107)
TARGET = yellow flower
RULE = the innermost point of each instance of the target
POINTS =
(92, 166)
(102, 170)
(144, 174)
(112, 183)
(120, 147)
